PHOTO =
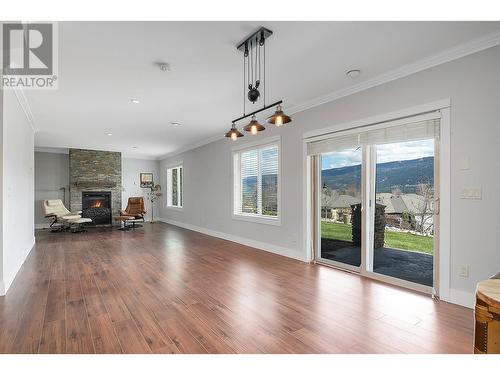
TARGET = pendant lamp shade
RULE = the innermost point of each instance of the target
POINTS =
(234, 133)
(279, 118)
(254, 127)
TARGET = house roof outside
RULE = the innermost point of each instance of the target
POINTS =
(339, 201)
(397, 204)
(394, 204)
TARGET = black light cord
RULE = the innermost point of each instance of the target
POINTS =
(248, 67)
(265, 83)
(244, 82)
(258, 50)
(251, 61)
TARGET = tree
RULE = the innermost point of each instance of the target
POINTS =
(426, 209)
(409, 218)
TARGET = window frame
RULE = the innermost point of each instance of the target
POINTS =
(236, 179)
(180, 188)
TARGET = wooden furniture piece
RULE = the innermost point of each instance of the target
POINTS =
(487, 314)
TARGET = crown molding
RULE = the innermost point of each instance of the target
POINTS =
(23, 102)
(52, 150)
(447, 55)
(65, 150)
(127, 155)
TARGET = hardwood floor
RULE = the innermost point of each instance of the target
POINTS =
(163, 289)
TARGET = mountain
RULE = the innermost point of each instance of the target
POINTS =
(405, 174)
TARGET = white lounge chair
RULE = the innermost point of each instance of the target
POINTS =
(62, 218)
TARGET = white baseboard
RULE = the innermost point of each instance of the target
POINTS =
(7, 282)
(462, 298)
(241, 240)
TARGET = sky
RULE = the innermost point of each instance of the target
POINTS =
(385, 153)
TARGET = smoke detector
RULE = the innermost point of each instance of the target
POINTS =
(164, 67)
(354, 73)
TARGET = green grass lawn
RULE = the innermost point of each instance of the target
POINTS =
(395, 240)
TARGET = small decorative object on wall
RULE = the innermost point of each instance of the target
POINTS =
(153, 196)
(146, 180)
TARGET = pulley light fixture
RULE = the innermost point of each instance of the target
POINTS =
(254, 80)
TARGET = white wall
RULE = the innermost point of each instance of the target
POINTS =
(2, 286)
(18, 188)
(51, 174)
(131, 170)
(472, 85)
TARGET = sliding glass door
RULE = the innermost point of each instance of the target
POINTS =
(403, 222)
(340, 207)
(376, 200)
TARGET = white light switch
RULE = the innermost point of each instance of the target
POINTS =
(471, 193)
(463, 270)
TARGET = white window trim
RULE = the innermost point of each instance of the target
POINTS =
(167, 205)
(255, 218)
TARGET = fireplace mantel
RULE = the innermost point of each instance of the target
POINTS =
(94, 184)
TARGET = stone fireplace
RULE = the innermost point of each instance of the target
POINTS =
(95, 172)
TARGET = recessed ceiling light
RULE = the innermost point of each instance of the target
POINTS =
(109, 134)
(353, 73)
(135, 101)
(175, 123)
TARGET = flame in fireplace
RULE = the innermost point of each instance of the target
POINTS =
(96, 204)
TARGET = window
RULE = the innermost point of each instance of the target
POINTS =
(174, 187)
(256, 182)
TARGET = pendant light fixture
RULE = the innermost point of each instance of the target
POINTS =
(234, 133)
(279, 118)
(254, 80)
(254, 127)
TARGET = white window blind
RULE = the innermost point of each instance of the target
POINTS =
(256, 173)
(410, 129)
(174, 187)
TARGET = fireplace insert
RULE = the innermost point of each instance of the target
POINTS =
(96, 205)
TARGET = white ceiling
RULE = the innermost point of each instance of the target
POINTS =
(103, 65)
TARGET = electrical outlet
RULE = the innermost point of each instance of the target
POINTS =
(463, 270)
